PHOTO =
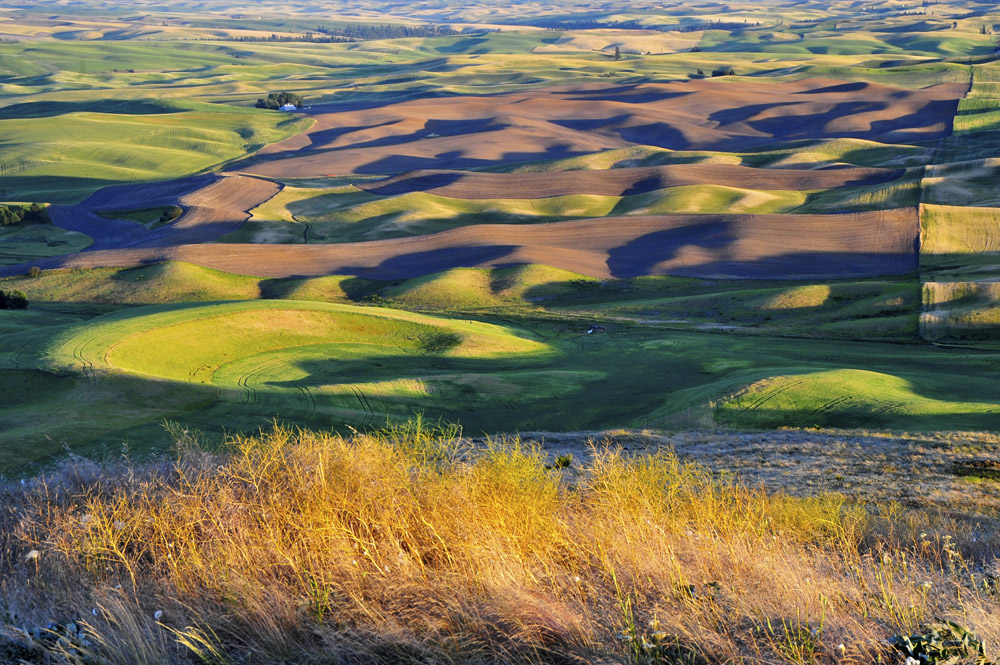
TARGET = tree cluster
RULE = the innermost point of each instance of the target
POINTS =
(590, 24)
(276, 100)
(309, 37)
(33, 214)
(13, 299)
(363, 32)
(170, 214)
(724, 71)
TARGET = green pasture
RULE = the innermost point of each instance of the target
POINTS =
(63, 152)
(115, 377)
(103, 357)
(863, 398)
(28, 242)
(961, 312)
(856, 310)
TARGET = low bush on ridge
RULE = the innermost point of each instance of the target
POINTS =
(411, 545)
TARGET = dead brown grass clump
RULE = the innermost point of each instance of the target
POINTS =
(408, 546)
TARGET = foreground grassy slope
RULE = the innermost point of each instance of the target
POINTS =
(410, 544)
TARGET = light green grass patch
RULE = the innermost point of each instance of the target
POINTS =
(63, 158)
(23, 243)
(961, 311)
(949, 230)
(171, 281)
(857, 310)
(845, 398)
(192, 343)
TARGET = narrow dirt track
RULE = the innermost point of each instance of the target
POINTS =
(733, 246)
(621, 182)
(710, 114)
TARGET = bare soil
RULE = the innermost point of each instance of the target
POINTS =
(734, 246)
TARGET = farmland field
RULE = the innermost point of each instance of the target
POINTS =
(469, 332)
(783, 212)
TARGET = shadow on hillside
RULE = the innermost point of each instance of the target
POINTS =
(46, 109)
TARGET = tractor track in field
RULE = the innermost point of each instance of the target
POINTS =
(832, 404)
(771, 394)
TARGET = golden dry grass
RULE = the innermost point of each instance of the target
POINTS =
(410, 546)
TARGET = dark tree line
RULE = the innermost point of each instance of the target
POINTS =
(364, 31)
(348, 33)
(13, 299)
(591, 24)
(309, 38)
(33, 214)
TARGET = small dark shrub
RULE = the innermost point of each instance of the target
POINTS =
(13, 300)
(944, 643)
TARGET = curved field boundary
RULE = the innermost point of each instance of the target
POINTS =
(722, 246)
(621, 182)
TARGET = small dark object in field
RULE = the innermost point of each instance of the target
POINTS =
(563, 461)
(978, 468)
(34, 271)
(13, 299)
(942, 643)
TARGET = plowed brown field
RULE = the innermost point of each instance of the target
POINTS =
(468, 132)
(735, 246)
(621, 182)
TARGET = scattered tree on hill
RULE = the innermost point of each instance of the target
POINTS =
(724, 71)
(33, 214)
(34, 271)
(13, 299)
(618, 53)
(276, 100)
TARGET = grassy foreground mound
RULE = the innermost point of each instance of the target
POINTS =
(408, 545)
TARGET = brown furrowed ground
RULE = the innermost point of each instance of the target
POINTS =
(735, 246)
(468, 132)
(212, 206)
(462, 132)
(621, 182)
